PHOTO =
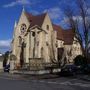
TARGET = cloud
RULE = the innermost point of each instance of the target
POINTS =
(88, 11)
(17, 2)
(23, 2)
(5, 43)
(34, 12)
(78, 18)
(54, 13)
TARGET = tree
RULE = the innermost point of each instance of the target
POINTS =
(80, 61)
(5, 58)
(80, 23)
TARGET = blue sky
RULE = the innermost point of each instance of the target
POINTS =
(10, 10)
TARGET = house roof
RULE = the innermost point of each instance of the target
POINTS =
(66, 35)
(59, 31)
(35, 20)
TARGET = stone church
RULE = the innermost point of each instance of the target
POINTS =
(37, 41)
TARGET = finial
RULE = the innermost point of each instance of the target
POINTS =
(46, 11)
(23, 9)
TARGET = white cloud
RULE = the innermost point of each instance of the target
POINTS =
(34, 12)
(5, 43)
(54, 13)
(17, 2)
(88, 11)
(78, 18)
(23, 2)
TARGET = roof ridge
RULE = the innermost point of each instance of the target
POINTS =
(35, 15)
(58, 26)
(35, 19)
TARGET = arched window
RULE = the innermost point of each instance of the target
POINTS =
(37, 43)
(33, 52)
(20, 40)
(47, 27)
(23, 28)
(42, 52)
(33, 34)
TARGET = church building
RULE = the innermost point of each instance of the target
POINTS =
(37, 41)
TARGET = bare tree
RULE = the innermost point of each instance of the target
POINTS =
(80, 23)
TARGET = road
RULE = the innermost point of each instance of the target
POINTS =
(9, 83)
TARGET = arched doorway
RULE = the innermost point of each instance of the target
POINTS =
(42, 55)
(22, 54)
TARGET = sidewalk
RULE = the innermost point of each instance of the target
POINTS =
(24, 76)
(36, 74)
(83, 77)
(10, 75)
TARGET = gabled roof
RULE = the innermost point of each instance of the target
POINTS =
(59, 31)
(66, 35)
(35, 20)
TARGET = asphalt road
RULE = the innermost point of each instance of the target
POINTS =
(7, 83)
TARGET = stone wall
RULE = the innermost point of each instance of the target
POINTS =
(36, 63)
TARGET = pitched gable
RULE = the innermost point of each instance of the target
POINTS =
(58, 29)
(66, 35)
(36, 20)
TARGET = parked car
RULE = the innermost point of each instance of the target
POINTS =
(68, 70)
(87, 69)
(7, 68)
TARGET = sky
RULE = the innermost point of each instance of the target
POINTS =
(10, 11)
